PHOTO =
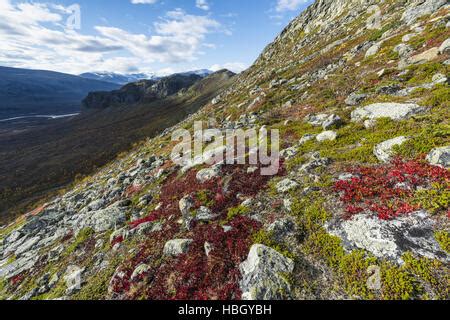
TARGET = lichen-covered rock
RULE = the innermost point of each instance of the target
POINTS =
(389, 239)
(323, 120)
(384, 150)
(107, 219)
(286, 185)
(306, 138)
(139, 272)
(440, 157)
(395, 111)
(355, 98)
(420, 9)
(186, 204)
(281, 229)
(73, 279)
(403, 50)
(24, 263)
(423, 57)
(445, 47)
(326, 136)
(207, 174)
(264, 274)
(205, 214)
(176, 247)
(373, 50)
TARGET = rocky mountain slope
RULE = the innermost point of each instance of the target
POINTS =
(28, 92)
(358, 210)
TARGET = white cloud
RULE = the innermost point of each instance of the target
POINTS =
(202, 4)
(33, 35)
(289, 5)
(236, 67)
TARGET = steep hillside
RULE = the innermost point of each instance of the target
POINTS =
(31, 92)
(358, 210)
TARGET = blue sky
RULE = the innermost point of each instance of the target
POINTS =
(153, 36)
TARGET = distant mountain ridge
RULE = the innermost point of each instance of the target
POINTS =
(28, 92)
(143, 91)
(122, 79)
(118, 78)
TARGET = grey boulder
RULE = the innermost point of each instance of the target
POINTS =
(264, 274)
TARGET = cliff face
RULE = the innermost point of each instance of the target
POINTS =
(358, 210)
(144, 91)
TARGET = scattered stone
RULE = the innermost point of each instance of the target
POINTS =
(208, 248)
(205, 214)
(373, 50)
(326, 136)
(149, 227)
(439, 78)
(145, 200)
(389, 90)
(107, 219)
(288, 153)
(440, 157)
(423, 57)
(445, 47)
(306, 138)
(369, 124)
(207, 174)
(323, 120)
(408, 37)
(73, 278)
(315, 162)
(286, 185)
(384, 150)
(264, 274)
(403, 50)
(177, 247)
(395, 111)
(281, 229)
(140, 271)
(186, 203)
(390, 239)
(27, 245)
(355, 99)
(420, 9)
(251, 170)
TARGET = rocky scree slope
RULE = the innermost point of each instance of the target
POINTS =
(358, 210)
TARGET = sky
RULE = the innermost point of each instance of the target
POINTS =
(130, 36)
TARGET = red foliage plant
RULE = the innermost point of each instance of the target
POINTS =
(117, 240)
(196, 275)
(200, 277)
(387, 189)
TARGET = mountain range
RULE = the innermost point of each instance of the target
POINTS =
(37, 92)
(123, 79)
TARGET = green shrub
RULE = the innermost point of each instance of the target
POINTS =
(81, 238)
(237, 211)
(443, 237)
(435, 199)
(397, 284)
